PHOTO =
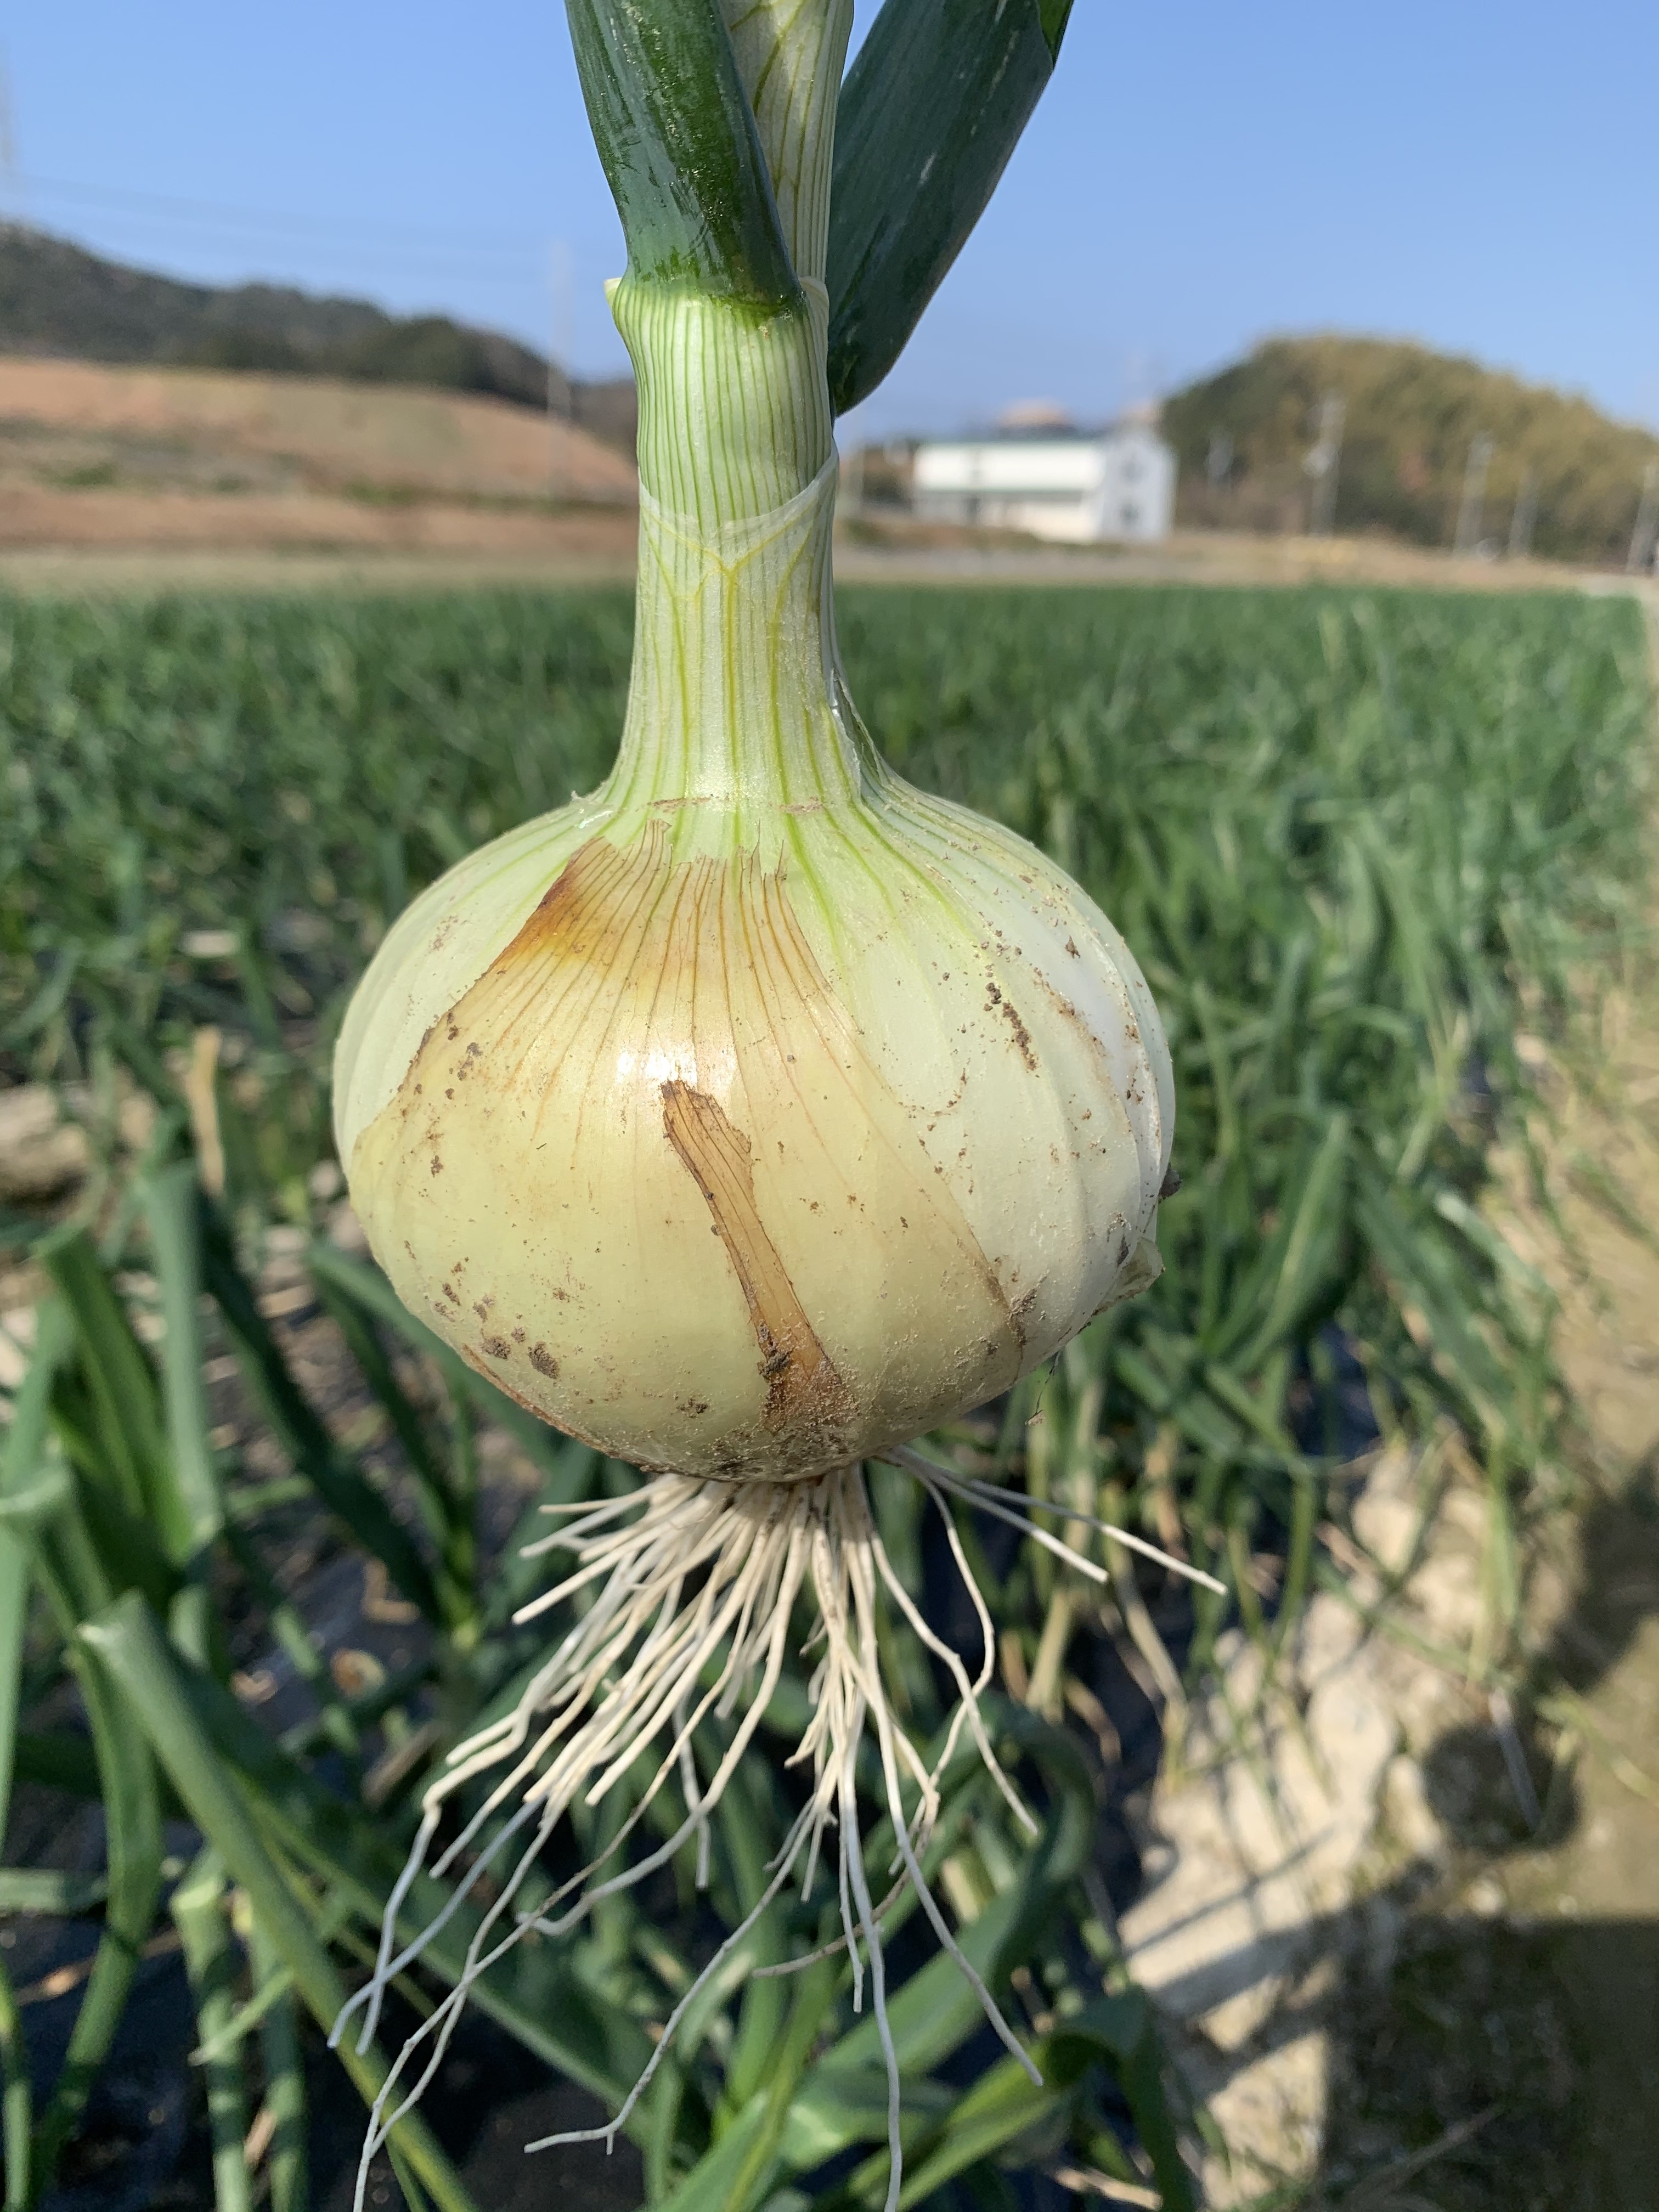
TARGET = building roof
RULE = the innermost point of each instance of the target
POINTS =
(1036, 434)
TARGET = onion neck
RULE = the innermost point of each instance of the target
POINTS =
(735, 703)
(732, 697)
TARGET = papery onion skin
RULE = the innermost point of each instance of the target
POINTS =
(747, 1136)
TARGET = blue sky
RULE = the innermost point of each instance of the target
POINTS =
(1484, 178)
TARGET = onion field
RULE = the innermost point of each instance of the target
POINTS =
(1357, 840)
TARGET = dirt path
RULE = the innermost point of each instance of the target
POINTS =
(1581, 1896)
(120, 540)
(1409, 1948)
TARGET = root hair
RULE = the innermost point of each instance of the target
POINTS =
(691, 1577)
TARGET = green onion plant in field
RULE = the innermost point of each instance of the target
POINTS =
(1349, 837)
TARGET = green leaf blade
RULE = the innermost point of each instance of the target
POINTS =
(931, 109)
(676, 136)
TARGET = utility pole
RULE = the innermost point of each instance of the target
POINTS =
(849, 498)
(1524, 516)
(1472, 506)
(1322, 464)
(1646, 532)
(561, 387)
(11, 189)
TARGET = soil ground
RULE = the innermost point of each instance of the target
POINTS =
(118, 541)
(1512, 2027)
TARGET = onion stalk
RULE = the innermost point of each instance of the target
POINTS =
(757, 1113)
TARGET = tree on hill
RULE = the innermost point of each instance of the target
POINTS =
(1410, 416)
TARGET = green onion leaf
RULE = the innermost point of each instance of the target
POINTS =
(931, 110)
(677, 139)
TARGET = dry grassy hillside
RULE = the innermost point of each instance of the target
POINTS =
(155, 422)
(99, 455)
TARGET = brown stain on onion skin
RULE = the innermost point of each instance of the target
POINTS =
(580, 909)
(803, 1386)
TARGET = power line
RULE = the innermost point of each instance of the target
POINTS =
(278, 261)
(296, 265)
(267, 220)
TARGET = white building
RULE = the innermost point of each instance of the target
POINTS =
(1055, 481)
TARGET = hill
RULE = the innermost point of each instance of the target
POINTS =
(83, 426)
(56, 298)
(1410, 418)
